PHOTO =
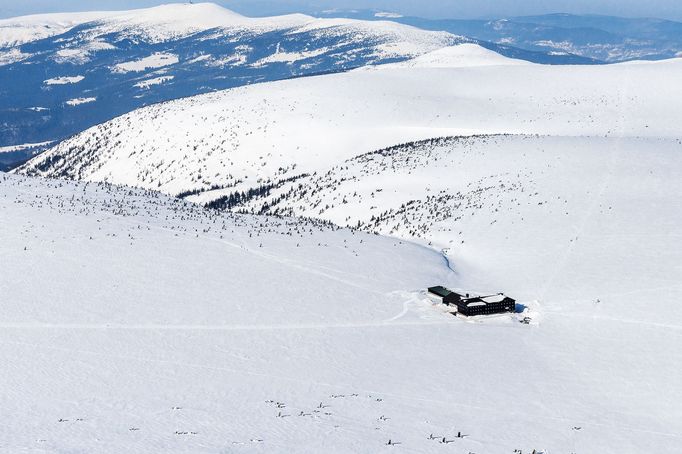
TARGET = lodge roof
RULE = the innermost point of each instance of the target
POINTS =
(450, 297)
(494, 298)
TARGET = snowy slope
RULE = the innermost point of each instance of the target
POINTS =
(158, 326)
(464, 55)
(249, 136)
(568, 220)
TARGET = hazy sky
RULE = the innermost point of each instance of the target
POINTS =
(666, 9)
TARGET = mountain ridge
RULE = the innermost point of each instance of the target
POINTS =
(60, 85)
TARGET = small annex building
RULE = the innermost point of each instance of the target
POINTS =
(439, 291)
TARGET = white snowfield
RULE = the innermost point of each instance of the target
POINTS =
(160, 327)
(148, 83)
(64, 80)
(10, 56)
(79, 55)
(25, 146)
(21, 30)
(78, 101)
(289, 57)
(157, 60)
(157, 23)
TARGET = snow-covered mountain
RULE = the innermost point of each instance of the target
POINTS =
(161, 326)
(60, 74)
(175, 21)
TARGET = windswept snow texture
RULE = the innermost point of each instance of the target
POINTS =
(158, 326)
(202, 46)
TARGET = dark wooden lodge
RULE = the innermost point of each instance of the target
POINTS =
(439, 291)
(480, 305)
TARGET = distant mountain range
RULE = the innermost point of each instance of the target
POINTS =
(600, 39)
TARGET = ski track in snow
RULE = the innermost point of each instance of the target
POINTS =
(579, 229)
(272, 258)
